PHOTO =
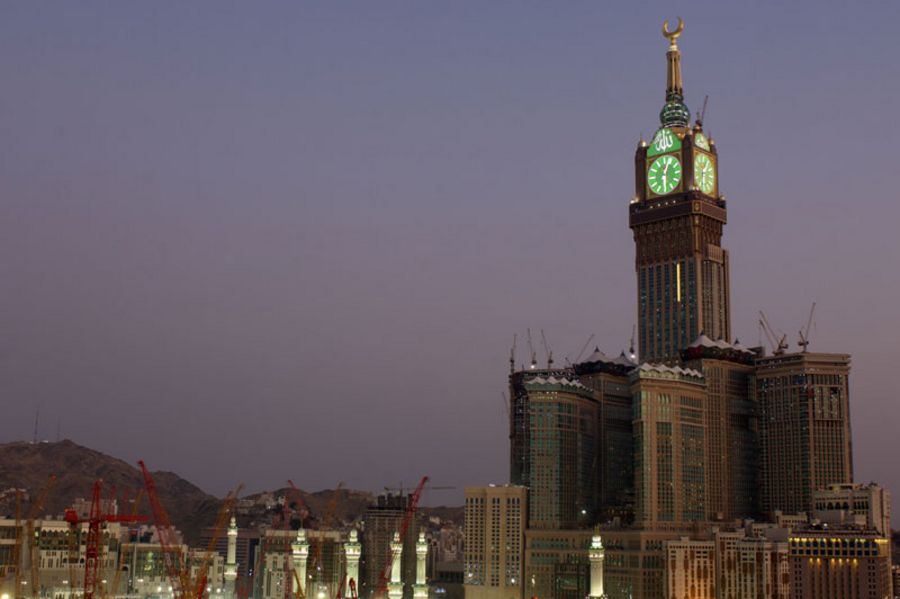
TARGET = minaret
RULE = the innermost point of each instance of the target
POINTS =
(300, 551)
(677, 215)
(420, 591)
(395, 588)
(352, 552)
(596, 554)
(231, 560)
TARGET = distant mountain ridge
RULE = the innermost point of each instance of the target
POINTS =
(28, 466)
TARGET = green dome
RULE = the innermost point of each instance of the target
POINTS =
(675, 114)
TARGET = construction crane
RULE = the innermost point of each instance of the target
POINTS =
(531, 350)
(547, 350)
(411, 506)
(512, 356)
(631, 351)
(176, 570)
(352, 586)
(583, 348)
(125, 543)
(779, 346)
(702, 112)
(95, 519)
(804, 333)
(33, 513)
(211, 548)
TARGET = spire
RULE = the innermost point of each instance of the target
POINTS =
(675, 113)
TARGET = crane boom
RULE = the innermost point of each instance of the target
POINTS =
(221, 521)
(178, 574)
(804, 333)
(411, 506)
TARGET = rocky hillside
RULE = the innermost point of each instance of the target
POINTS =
(28, 466)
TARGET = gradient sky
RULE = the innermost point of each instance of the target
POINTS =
(253, 241)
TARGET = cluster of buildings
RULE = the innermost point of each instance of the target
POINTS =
(45, 558)
(696, 468)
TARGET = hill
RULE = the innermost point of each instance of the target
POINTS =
(28, 466)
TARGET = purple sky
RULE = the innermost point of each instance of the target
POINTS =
(260, 241)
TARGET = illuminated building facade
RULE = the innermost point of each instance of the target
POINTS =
(495, 519)
(804, 427)
(669, 445)
(834, 563)
(677, 216)
(554, 447)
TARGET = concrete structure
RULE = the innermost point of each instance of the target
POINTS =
(495, 519)
(804, 427)
(557, 563)
(380, 521)
(731, 425)
(395, 587)
(608, 379)
(420, 590)
(300, 557)
(554, 447)
(352, 553)
(231, 566)
(829, 563)
(669, 446)
(596, 554)
(865, 506)
(677, 217)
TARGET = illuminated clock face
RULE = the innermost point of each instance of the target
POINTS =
(704, 173)
(664, 174)
(700, 140)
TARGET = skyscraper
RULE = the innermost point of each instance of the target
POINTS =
(495, 539)
(553, 447)
(677, 216)
(804, 427)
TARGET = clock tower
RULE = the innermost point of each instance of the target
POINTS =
(677, 216)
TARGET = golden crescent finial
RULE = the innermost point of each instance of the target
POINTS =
(672, 35)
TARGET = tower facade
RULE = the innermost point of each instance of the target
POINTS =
(395, 586)
(553, 447)
(300, 553)
(677, 216)
(231, 559)
(352, 553)
(495, 538)
(804, 427)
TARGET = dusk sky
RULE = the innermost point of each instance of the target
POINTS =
(253, 241)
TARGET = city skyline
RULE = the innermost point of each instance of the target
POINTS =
(159, 293)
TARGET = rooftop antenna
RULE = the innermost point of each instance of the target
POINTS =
(547, 349)
(512, 356)
(804, 333)
(702, 112)
(531, 349)
(583, 348)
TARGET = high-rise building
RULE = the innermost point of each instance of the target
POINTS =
(380, 521)
(669, 445)
(608, 379)
(554, 447)
(804, 427)
(495, 519)
(677, 216)
(731, 447)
